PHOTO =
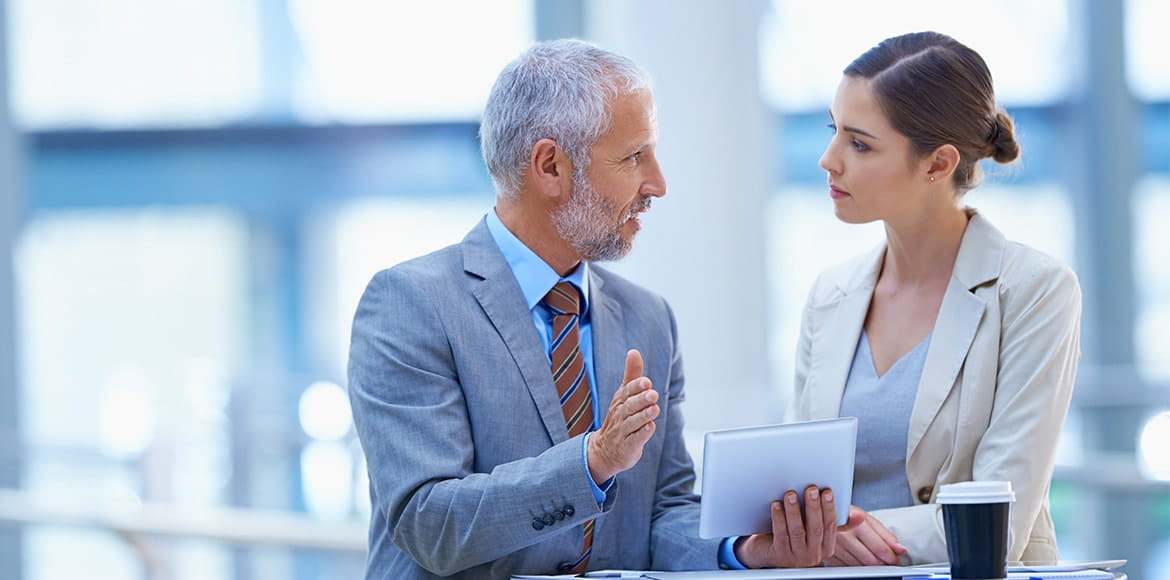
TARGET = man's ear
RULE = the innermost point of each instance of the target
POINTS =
(943, 162)
(550, 169)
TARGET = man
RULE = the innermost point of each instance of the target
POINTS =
(504, 433)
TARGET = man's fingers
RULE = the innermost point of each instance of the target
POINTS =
(779, 527)
(794, 524)
(632, 383)
(635, 410)
(814, 517)
(640, 424)
(829, 512)
(628, 423)
(634, 366)
(630, 398)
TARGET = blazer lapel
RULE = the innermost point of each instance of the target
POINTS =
(843, 323)
(954, 329)
(978, 262)
(494, 286)
(609, 341)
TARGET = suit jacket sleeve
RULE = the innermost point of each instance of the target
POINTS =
(1040, 337)
(675, 542)
(411, 417)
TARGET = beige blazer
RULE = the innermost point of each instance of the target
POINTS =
(995, 387)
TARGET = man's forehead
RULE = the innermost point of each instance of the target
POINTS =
(634, 113)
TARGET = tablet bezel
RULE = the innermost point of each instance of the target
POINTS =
(745, 469)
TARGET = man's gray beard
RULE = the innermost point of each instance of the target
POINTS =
(584, 222)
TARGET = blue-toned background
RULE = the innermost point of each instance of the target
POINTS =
(195, 193)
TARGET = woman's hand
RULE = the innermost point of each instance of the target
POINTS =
(864, 541)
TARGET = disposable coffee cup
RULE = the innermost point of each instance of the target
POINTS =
(975, 518)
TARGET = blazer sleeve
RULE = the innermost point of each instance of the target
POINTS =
(1037, 370)
(413, 423)
(674, 533)
(1038, 356)
(797, 407)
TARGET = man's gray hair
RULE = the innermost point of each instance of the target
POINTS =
(557, 90)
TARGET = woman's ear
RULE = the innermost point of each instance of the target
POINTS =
(549, 169)
(943, 162)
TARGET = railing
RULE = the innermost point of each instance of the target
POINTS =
(234, 526)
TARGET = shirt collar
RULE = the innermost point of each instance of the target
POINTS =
(533, 274)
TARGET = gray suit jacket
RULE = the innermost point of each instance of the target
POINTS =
(463, 434)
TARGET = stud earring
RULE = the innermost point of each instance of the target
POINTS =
(932, 179)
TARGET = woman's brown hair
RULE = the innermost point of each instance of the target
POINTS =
(935, 90)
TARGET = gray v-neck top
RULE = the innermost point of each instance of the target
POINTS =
(882, 406)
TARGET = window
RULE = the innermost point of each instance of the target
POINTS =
(133, 328)
(805, 45)
(374, 61)
(134, 63)
(175, 63)
(1145, 39)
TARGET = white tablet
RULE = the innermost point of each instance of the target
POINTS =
(744, 470)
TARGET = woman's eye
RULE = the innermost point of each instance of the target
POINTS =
(857, 145)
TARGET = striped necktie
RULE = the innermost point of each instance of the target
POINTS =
(568, 370)
(568, 364)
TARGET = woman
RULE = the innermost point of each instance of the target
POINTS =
(954, 347)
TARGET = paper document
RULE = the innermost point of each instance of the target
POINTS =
(1078, 575)
(829, 573)
(593, 574)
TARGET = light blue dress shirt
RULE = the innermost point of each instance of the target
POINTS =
(536, 278)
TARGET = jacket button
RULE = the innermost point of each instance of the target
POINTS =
(568, 510)
(564, 567)
(549, 519)
(924, 493)
(537, 524)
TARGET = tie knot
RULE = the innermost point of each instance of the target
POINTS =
(564, 299)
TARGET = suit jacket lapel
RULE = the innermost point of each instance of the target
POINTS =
(954, 330)
(843, 323)
(495, 287)
(978, 262)
(609, 341)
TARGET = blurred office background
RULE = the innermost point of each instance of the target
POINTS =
(194, 193)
